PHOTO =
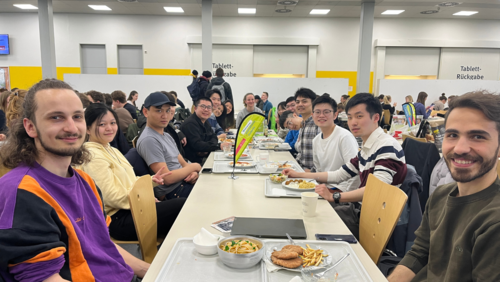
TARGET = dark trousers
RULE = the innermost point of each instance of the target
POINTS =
(122, 224)
(182, 191)
(349, 213)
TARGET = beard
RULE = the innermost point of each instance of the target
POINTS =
(465, 175)
(61, 152)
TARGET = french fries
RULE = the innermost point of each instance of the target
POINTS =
(312, 257)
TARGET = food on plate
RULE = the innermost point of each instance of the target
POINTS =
(285, 254)
(284, 165)
(277, 178)
(240, 247)
(300, 184)
(312, 257)
(294, 248)
(227, 140)
(241, 164)
(288, 263)
(242, 155)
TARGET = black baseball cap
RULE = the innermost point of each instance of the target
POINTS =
(157, 99)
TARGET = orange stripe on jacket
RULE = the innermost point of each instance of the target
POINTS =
(45, 256)
(91, 183)
(80, 270)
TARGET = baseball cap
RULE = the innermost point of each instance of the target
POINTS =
(157, 99)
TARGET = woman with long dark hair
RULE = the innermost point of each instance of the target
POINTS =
(115, 176)
(220, 115)
(133, 97)
(420, 105)
(230, 121)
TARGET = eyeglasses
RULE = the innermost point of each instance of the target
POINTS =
(324, 112)
(205, 107)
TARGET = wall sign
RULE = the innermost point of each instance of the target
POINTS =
(469, 64)
(471, 73)
(226, 67)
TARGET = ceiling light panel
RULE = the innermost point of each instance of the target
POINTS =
(247, 10)
(174, 9)
(393, 12)
(319, 11)
(465, 13)
(100, 7)
(25, 6)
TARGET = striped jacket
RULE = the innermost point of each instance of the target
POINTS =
(381, 155)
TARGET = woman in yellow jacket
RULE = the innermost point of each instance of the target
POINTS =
(115, 176)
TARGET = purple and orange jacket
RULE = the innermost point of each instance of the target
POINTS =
(50, 224)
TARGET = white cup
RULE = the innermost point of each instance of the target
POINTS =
(309, 203)
(263, 158)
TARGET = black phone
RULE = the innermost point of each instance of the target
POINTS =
(206, 170)
(334, 237)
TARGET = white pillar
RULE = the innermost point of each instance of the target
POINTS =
(206, 35)
(365, 46)
(379, 68)
(311, 61)
(47, 45)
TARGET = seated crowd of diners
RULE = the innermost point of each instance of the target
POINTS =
(70, 160)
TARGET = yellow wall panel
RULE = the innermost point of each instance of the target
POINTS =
(351, 75)
(62, 70)
(167, 71)
(112, 70)
(24, 77)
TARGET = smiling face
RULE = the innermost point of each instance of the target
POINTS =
(323, 115)
(360, 123)
(304, 106)
(229, 107)
(59, 127)
(203, 110)
(103, 131)
(291, 106)
(470, 144)
(215, 98)
(249, 101)
(293, 123)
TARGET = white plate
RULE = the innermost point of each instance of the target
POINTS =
(327, 260)
(298, 189)
(251, 164)
(231, 155)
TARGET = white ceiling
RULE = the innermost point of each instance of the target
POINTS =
(488, 9)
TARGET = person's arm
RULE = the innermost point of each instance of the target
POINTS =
(138, 266)
(484, 252)
(177, 174)
(218, 130)
(401, 274)
(291, 138)
(239, 119)
(193, 176)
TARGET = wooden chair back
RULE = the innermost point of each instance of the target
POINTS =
(413, 137)
(434, 113)
(382, 207)
(143, 208)
(134, 141)
(387, 117)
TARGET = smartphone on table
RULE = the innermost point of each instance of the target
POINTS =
(206, 170)
(336, 237)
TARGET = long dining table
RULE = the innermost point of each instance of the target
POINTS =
(216, 197)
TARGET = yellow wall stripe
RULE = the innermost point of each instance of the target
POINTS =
(112, 70)
(351, 75)
(24, 77)
(62, 70)
(167, 71)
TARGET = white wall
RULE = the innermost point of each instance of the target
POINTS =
(279, 88)
(399, 89)
(164, 37)
(411, 61)
(237, 60)
(457, 63)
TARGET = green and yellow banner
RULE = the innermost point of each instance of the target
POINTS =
(250, 124)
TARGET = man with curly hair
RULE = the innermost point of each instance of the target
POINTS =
(52, 223)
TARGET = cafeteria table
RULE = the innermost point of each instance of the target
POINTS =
(215, 197)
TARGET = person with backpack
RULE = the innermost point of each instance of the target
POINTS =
(220, 84)
(199, 86)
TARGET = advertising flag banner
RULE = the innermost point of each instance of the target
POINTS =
(250, 124)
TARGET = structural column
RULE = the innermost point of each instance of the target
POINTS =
(365, 46)
(206, 35)
(47, 45)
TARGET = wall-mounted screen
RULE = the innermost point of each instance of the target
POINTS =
(4, 44)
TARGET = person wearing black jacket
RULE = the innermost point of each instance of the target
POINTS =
(204, 80)
(201, 139)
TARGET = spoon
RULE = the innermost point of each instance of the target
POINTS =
(321, 274)
(290, 239)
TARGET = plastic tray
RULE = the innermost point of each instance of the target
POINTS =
(272, 190)
(223, 167)
(295, 166)
(262, 146)
(184, 263)
(350, 270)
(220, 156)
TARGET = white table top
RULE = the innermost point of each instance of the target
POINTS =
(216, 197)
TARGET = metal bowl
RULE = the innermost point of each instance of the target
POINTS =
(241, 260)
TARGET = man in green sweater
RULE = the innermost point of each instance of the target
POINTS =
(458, 237)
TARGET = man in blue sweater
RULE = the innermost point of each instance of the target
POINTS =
(292, 135)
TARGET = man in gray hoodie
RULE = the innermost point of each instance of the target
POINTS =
(220, 84)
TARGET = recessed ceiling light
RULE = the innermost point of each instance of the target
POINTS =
(100, 7)
(319, 11)
(287, 2)
(465, 13)
(393, 12)
(429, 12)
(26, 6)
(174, 9)
(283, 11)
(247, 10)
(448, 4)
